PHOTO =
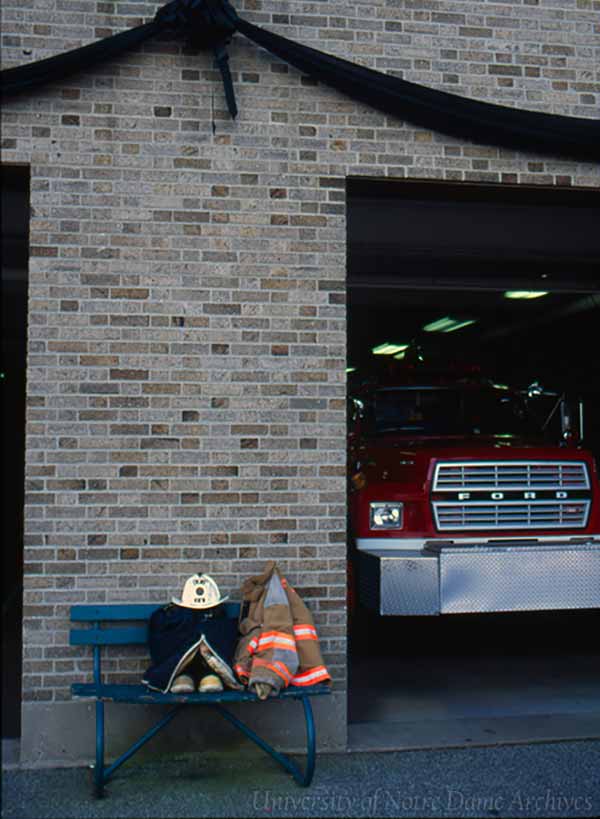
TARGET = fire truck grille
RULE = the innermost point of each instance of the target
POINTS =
(511, 495)
(511, 475)
(479, 515)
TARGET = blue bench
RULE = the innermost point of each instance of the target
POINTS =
(111, 625)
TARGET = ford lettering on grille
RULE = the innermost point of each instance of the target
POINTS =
(511, 495)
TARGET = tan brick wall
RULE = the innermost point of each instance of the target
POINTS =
(187, 309)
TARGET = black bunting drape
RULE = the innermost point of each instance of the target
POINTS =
(210, 24)
(27, 77)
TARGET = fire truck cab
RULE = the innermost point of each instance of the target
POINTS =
(469, 496)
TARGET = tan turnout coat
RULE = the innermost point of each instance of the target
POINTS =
(278, 644)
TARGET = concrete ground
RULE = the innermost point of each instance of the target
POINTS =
(545, 780)
(437, 702)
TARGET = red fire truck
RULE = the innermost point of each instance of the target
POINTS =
(469, 496)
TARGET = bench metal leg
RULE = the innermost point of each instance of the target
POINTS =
(303, 779)
(99, 766)
(102, 774)
(311, 742)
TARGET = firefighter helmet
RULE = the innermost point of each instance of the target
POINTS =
(200, 592)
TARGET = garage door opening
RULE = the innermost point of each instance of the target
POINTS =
(452, 287)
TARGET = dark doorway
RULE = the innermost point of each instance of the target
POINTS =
(15, 255)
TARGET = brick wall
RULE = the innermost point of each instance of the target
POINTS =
(186, 385)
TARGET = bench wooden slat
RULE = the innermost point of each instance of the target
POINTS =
(113, 611)
(127, 611)
(142, 694)
(126, 635)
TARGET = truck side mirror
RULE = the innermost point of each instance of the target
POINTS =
(571, 420)
(356, 410)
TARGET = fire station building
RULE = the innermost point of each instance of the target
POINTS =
(185, 291)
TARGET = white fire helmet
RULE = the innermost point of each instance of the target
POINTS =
(200, 592)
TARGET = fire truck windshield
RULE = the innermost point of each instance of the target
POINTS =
(449, 411)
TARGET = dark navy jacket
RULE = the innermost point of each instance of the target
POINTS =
(175, 634)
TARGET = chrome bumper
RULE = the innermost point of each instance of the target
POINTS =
(456, 579)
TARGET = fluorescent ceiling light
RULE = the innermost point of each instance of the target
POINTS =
(525, 294)
(459, 325)
(440, 324)
(400, 355)
(389, 349)
(350, 369)
(447, 325)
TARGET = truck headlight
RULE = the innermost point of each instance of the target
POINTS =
(386, 515)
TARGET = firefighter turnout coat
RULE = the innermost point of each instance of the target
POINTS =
(278, 644)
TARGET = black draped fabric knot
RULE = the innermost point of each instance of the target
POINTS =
(207, 24)
(210, 24)
(204, 22)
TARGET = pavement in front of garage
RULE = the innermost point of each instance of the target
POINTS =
(545, 780)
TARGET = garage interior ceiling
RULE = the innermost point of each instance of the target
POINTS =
(428, 233)
(420, 251)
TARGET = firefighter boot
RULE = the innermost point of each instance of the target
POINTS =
(183, 684)
(210, 684)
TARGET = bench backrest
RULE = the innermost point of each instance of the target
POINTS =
(117, 614)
